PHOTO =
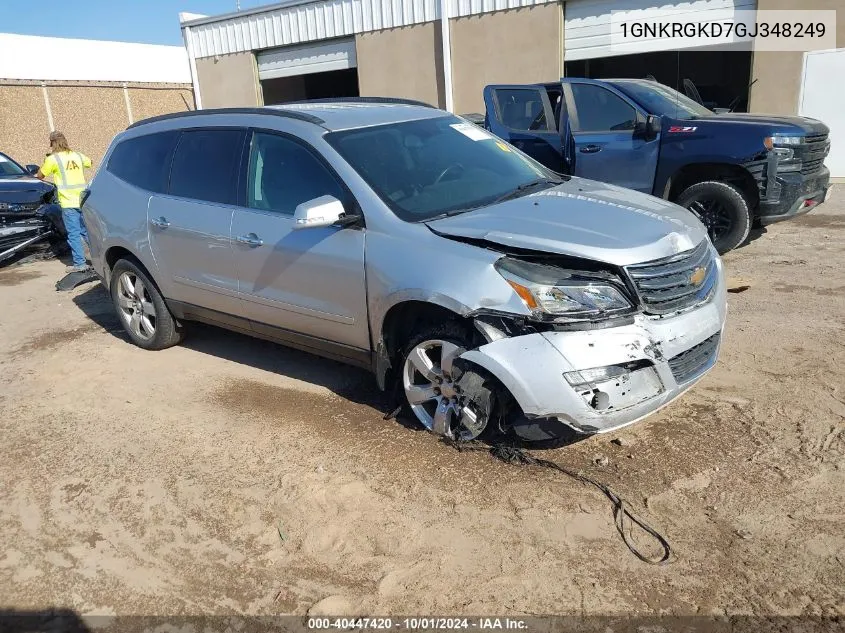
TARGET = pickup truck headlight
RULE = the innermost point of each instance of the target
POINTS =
(773, 141)
(549, 291)
(783, 148)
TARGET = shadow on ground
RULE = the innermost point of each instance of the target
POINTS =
(350, 383)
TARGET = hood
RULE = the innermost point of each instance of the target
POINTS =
(583, 218)
(773, 123)
(18, 189)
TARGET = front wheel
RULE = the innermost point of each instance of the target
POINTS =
(141, 308)
(448, 396)
(723, 210)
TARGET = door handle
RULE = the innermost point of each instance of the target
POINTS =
(590, 149)
(251, 239)
(160, 223)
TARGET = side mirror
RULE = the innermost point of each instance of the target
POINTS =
(32, 169)
(319, 212)
(651, 128)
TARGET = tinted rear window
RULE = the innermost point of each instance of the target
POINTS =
(144, 161)
(205, 166)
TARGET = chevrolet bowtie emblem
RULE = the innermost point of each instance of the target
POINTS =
(697, 276)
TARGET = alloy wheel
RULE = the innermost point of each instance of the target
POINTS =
(431, 381)
(136, 307)
(714, 216)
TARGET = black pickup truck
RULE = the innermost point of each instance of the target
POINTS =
(732, 170)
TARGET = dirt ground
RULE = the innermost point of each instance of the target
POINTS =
(229, 475)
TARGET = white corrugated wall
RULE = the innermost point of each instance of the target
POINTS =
(307, 21)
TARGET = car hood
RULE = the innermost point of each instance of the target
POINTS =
(583, 218)
(23, 189)
(773, 122)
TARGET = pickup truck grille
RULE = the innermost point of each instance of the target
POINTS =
(676, 283)
(813, 153)
(691, 363)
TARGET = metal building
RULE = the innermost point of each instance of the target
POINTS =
(445, 51)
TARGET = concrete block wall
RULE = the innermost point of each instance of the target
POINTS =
(89, 114)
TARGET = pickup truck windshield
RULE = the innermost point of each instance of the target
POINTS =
(433, 167)
(8, 167)
(661, 100)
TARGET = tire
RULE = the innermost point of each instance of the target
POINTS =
(141, 308)
(457, 400)
(723, 209)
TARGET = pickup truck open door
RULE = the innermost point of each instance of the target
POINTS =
(524, 116)
(591, 130)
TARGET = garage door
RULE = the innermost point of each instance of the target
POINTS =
(317, 57)
(587, 22)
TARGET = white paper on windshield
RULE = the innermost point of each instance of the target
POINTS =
(470, 130)
(3, 159)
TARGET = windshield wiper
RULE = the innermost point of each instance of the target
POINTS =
(521, 189)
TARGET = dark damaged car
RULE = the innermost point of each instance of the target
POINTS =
(28, 213)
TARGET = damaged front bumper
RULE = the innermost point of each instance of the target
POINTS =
(654, 359)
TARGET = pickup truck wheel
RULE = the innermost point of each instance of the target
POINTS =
(141, 308)
(723, 210)
(447, 396)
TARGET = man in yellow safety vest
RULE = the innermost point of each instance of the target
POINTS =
(66, 167)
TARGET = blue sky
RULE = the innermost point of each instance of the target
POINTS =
(146, 21)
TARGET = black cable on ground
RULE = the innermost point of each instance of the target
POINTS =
(623, 516)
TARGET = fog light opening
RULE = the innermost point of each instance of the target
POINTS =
(600, 401)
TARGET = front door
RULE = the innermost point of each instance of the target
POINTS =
(307, 281)
(607, 145)
(188, 227)
(524, 116)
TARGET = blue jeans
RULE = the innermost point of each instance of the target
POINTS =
(75, 227)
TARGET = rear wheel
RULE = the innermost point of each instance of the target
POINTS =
(446, 395)
(141, 308)
(723, 210)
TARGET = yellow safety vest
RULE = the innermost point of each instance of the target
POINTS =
(67, 169)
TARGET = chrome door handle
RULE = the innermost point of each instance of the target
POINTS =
(590, 149)
(160, 223)
(250, 239)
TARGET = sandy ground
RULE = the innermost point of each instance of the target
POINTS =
(229, 475)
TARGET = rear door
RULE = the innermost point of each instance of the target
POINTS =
(608, 146)
(189, 225)
(307, 281)
(525, 117)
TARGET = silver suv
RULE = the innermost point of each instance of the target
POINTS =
(495, 294)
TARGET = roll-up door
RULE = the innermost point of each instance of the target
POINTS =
(317, 57)
(587, 23)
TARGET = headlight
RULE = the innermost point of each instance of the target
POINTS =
(557, 292)
(771, 141)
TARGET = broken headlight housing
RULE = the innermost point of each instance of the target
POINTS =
(553, 293)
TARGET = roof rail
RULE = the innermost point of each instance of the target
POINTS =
(361, 100)
(290, 114)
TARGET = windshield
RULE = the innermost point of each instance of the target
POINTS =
(431, 167)
(8, 167)
(661, 99)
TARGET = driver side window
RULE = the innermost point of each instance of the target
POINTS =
(283, 174)
(600, 110)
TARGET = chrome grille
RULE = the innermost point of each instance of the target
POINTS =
(668, 285)
(691, 363)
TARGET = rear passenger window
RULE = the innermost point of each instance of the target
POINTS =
(205, 166)
(522, 109)
(144, 161)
